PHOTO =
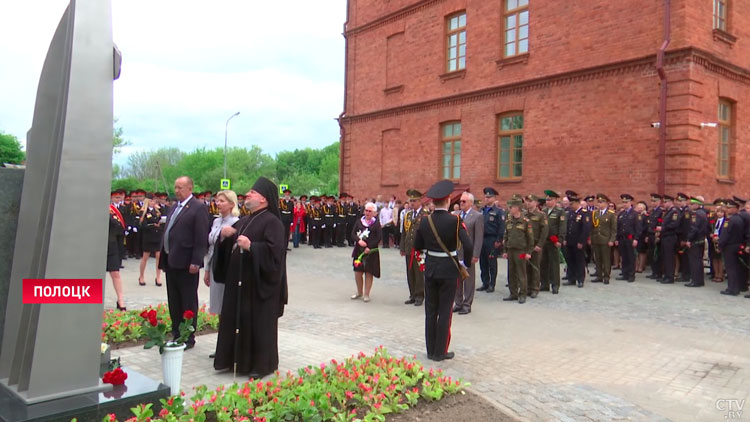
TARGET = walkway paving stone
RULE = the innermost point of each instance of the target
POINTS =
(621, 352)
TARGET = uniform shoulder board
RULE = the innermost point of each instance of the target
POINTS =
(640, 217)
(610, 211)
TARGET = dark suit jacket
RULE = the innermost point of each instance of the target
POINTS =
(188, 237)
(446, 225)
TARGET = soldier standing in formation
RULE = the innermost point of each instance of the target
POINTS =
(286, 207)
(557, 228)
(494, 229)
(668, 233)
(628, 230)
(696, 241)
(655, 219)
(339, 221)
(540, 229)
(519, 243)
(316, 222)
(412, 221)
(732, 235)
(579, 228)
(439, 234)
(603, 236)
(328, 221)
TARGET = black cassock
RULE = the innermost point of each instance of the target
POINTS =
(261, 297)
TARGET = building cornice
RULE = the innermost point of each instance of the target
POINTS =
(709, 61)
(392, 17)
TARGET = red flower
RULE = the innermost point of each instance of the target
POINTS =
(554, 239)
(421, 267)
(188, 314)
(659, 220)
(115, 377)
(630, 237)
(522, 256)
(153, 321)
(144, 314)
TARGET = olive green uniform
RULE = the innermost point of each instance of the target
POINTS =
(519, 240)
(556, 226)
(603, 231)
(540, 228)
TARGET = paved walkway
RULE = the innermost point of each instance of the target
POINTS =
(623, 352)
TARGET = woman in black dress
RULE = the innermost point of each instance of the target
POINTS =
(366, 235)
(152, 229)
(114, 260)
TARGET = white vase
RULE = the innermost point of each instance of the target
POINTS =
(171, 365)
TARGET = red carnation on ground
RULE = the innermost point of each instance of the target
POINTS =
(188, 314)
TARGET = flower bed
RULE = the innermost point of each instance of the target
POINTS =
(362, 388)
(125, 328)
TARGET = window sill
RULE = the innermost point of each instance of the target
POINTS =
(456, 74)
(726, 37)
(394, 90)
(519, 58)
(725, 181)
(515, 180)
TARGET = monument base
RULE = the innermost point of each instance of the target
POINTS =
(87, 407)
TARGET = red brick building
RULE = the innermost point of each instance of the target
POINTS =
(527, 95)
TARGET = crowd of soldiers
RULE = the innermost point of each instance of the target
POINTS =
(671, 235)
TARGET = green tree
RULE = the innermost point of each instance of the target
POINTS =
(11, 151)
(117, 140)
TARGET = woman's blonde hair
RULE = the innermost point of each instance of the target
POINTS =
(230, 196)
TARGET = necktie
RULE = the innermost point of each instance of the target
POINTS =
(169, 226)
(463, 215)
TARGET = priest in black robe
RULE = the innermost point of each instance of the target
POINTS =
(251, 261)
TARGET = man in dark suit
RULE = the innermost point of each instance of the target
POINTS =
(184, 246)
(441, 268)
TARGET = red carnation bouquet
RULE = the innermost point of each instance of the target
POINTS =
(115, 377)
(554, 239)
(155, 329)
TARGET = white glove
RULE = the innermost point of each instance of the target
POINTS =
(135, 229)
(323, 226)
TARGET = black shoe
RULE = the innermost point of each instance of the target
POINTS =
(521, 300)
(596, 280)
(481, 289)
(533, 295)
(189, 346)
(490, 289)
(747, 296)
(653, 277)
(464, 311)
(667, 281)
(409, 301)
(212, 355)
(693, 284)
(418, 301)
(121, 308)
(606, 281)
(456, 309)
(727, 292)
(631, 279)
(621, 278)
(446, 356)
(255, 375)
(580, 284)
(569, 283)
(509, 298)
(288, 249)
(565, 278)
(555, 290)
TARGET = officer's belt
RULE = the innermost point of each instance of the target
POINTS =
(329, 215)
(317, 218)
(286, 212)
(441, 254)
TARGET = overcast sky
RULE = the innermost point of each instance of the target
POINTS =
(189, 65)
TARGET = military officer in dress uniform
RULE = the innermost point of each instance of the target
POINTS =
(557, 229)
(603, 237)
(668, 233)
(412, 221)
(681, 202)
(519, 243)
(494, 229)
(339, 221)
(328, 211)
(540, 230)
(579, 228)
(656, 218)
(352, 214)
(286, 207)
(696, 241)
(316, 222)
(439, 234)
(730, 240)
(629, 227)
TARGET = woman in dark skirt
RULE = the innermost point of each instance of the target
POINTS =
(152, 229)
(366, 235)
(114, 260)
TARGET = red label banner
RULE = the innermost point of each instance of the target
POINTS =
(62, 290)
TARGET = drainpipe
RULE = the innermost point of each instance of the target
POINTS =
(342, 131)
(662, 166)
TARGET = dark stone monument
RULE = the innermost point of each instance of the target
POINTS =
(11, 181)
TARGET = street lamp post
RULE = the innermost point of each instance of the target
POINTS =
(226, 128)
